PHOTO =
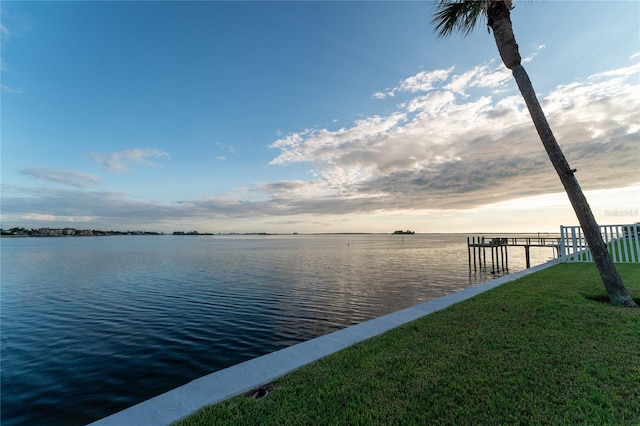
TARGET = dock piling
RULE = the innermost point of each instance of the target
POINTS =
(499, 247)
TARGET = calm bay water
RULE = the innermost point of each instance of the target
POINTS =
(92, 325)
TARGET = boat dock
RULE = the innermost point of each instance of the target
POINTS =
(499, 248)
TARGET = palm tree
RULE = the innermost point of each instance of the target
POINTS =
(462, 16)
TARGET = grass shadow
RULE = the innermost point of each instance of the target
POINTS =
(603, 298)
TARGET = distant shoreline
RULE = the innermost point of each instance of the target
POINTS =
(22, 232)
(178, 234)
(72, 232)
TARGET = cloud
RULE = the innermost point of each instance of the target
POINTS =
(486, 75)
(424, 81)
(65, 177)
(12, 26)
(528, 59)
(37, 217)
(4, 31)
(465, 140)
(84, 204)
(115, 161)
(321, 145)
(10, 90)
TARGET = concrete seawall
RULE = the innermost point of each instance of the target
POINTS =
(178, 403)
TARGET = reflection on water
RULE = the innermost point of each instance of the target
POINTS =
(91, 326)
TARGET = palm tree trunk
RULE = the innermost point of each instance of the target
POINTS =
(612, 282)
(499, 20)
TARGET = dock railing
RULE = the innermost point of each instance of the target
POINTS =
(622, 241)
(498, 247)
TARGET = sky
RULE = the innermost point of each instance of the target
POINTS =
(308, 117)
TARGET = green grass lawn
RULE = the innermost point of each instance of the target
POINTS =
(534, 351)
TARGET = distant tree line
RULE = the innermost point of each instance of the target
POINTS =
(67, 232)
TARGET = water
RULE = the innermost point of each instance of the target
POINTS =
(92, 325)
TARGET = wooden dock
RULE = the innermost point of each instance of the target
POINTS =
(499, 247)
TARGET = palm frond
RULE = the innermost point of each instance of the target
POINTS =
(456, 16)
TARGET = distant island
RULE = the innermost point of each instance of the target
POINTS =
(407, 232)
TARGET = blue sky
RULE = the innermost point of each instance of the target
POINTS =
(311, 117)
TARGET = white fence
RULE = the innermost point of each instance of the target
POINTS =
(623, 242)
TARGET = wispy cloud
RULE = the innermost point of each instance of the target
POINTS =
(10, 90)
(82, 204)
(65, 177)
(38, 217)
(323, 146)
(483, 76)
(424, 81)
(116, 161)
(4, 31)
(530, 58)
